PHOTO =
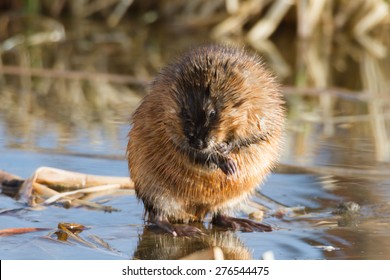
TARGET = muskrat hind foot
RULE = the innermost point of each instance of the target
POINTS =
(239, 224)
(176, 230)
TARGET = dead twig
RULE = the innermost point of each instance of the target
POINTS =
(13, 231)
(5, 176)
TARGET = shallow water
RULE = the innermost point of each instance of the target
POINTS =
(326, 163)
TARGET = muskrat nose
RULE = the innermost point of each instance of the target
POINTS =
(196, 143)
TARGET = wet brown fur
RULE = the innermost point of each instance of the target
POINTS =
(251, 117)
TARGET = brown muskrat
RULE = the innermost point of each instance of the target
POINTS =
(205, 136)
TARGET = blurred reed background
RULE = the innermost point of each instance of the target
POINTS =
(76, 65)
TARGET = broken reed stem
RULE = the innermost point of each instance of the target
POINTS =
(58, 196)
(68, 179)
(37, 186)
(45, 192)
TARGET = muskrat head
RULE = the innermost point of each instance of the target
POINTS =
(217, 100)
(209, 102)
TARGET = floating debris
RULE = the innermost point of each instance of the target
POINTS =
(347, 208)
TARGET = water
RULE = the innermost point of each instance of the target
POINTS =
(82, 126)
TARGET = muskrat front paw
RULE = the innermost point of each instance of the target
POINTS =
(224, 148)
(229, 167)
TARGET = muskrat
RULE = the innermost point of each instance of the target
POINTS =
(204, 137)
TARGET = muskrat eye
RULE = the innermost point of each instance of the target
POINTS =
(212, 114)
